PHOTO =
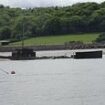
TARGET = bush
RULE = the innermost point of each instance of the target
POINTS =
(101, 37)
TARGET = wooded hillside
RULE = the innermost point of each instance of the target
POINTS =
(78, 18)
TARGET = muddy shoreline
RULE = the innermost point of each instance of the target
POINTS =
(67, 46)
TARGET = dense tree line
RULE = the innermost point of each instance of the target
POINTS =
(34, 22)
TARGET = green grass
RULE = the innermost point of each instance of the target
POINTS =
(52, 40)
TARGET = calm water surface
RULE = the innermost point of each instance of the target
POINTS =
(53, 82)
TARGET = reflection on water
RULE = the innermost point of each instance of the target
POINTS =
(53, 82)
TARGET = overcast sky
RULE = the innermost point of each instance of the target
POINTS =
(42, 3)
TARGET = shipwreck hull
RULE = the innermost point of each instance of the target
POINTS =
(88, 54)
(23, 54)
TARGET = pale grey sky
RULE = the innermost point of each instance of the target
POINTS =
(42, 3)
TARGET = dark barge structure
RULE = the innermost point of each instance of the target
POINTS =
(23, 54)
(88, 54)
(30, 54)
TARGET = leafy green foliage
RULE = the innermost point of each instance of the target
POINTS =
(5, 33)
(78, 18)
(101, 38)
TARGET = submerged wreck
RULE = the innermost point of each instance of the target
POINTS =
(30, 54)
(88, 54)
(23, 54)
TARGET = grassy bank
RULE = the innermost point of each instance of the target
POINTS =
(52, 40)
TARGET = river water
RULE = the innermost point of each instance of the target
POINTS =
(53, 82)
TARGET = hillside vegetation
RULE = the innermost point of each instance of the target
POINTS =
(56, 40)
(51, 21)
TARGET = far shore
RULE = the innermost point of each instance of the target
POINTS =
(53, 54)
(66, 46)
(54, 51)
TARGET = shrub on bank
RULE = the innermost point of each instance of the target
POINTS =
(101, 37)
